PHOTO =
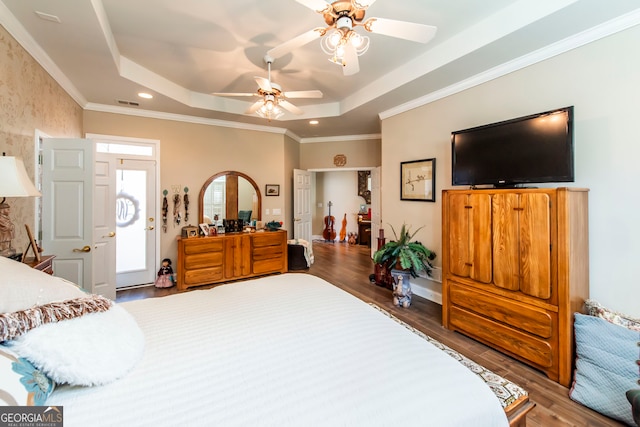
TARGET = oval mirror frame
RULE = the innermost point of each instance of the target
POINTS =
(205, 186)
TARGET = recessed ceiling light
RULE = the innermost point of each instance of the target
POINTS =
(145, 95)
(313, 122)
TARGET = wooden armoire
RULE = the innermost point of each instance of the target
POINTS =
(515, 269)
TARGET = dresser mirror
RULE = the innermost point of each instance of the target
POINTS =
(226, 194)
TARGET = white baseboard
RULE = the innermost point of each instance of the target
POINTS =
(427, 289)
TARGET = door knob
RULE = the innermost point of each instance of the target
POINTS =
(84, 249)
(297, 219)
(111, 234)
(151, 227)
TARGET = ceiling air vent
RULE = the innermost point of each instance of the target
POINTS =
(48, 17)
(125, 102)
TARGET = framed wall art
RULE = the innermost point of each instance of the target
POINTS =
(272, 190)
(418, 180)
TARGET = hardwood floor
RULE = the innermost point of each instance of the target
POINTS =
(349, 266)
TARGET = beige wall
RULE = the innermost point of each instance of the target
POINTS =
(291, 162)
(360, 154)
(191, 153)
(601, 81)
(30, 99)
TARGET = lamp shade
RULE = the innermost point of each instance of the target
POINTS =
(14, 181)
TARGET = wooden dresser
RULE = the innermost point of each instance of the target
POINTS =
(231, 256)
(515, 269)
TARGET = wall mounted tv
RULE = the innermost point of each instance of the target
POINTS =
(531, 149)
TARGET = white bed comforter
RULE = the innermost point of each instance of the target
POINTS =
(287, 350)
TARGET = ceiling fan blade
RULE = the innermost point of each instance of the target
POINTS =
(404, 30)
(363, 4)
(303, 94)
(233, 94)
(295, 43)
(254, 107)
(315, 5)
(350, 63)
(264, 84)
(289, 107)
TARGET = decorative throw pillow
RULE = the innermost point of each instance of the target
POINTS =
(21, 384)
(595, 309)
(20, 322)
(606, 366)
(22, 287)
(94, 349)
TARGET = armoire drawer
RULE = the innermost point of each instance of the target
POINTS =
(530, 319)
(522, 345)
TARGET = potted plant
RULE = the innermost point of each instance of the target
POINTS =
(404, 257)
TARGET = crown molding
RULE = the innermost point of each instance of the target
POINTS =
(588, 36)
(103, 108)
(344, 138)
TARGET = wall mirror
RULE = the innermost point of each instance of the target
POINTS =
(228, 193)
(364, 185)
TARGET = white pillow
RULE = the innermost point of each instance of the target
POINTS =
(22, 287)
(94, 349)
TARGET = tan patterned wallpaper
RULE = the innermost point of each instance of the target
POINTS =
(30, 99)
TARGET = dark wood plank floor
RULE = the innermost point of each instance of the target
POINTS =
(349, 267)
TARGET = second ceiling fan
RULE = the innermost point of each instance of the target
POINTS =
(342, 42)
(273, 97)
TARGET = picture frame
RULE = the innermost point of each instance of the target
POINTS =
(204, 228)
(272, 190)
(418, 180)
(32, 245)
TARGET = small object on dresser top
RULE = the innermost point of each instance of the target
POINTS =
(273, 225)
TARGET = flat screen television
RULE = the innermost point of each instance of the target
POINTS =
(531, 149)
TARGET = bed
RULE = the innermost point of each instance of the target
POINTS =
(289, 349)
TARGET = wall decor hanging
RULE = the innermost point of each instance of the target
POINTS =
(272, 190)
(418, 180)
(165, 210)
(177, 216)
(339, 160)
(186, 204)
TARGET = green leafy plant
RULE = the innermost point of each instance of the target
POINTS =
(403, 254)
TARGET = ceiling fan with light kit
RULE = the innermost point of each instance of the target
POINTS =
(274, 99)
(342, 42)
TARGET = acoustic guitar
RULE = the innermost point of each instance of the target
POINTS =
(329, 233)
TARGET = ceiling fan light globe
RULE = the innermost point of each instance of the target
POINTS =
(334, 38)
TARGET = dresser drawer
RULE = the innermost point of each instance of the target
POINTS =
(200, 245)
(203, 276)
(203, 260)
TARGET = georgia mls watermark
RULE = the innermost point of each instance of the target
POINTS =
(31, 416)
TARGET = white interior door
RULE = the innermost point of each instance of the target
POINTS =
(67, 208)
(104, 226)
(302, 205)
(135, 202)
(376, 217)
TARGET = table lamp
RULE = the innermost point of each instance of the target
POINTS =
(14, 182)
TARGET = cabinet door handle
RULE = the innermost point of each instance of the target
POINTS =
(84, 249)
